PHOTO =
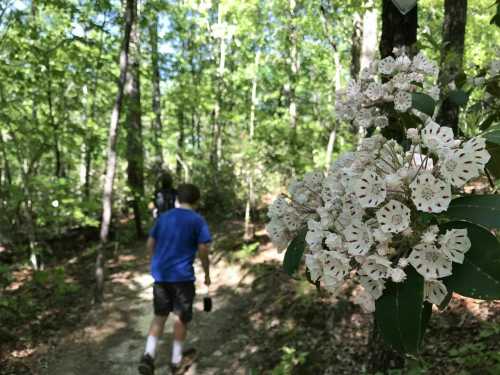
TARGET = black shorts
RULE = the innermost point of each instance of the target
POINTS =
(174, 297)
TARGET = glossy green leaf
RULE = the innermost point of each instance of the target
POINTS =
(493, 135)
(400, 314)
(424, 103)
(458, 97)
(479, 275)
(294, 253)
(478, 209)
(493, 165)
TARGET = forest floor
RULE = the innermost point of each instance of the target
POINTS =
(263, 322)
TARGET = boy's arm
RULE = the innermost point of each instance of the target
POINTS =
(203, 251)
(151, 245)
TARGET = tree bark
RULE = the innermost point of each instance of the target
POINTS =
(107, 199)
(156, 94)
(293, 55)
(180, 144)
(452, 54)
(398, 30)
(135, 150)
(356, 45)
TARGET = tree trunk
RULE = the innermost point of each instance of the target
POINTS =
(107, 199)
(356, 45)
(452, 54)
(156, 94)
(58, 170)
(293, 74)
(398, 30)
(135, 150)
(180, 145)
(249, 227)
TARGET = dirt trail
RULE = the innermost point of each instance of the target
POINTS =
(112, 339)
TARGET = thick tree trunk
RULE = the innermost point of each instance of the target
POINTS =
(156, 94)
(135, 150)
(398, 30)
(452, 54)
(356, 45)
(107, 199)
(58, 167)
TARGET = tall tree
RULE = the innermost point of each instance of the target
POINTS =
(294, 66)
(135, 151)
(156, 93)
(107, 198)
(398, 29)
(452, 56)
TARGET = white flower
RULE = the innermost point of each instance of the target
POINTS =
(403, 63)
(394, 217)
(398, 275)
(370, 189)
(278, 208)
(376, 267)
(476, 149)
(401, 81)
(387, 65)
(380, 122)
(279, 234)
(430, 194)
(436, 137)
(393, 181)
(335, 265)
(374, 287)
(408, 232)
(314, 264)
(315, 235)
(454, 244)
(333, 242)
(430, 262)
(374, 91)
(381, 237)
(353, 89)
(413, 135)
(403, 262)
(402, 101)
(359, 238)
(351, 212)
(430, 235)
(365, 300)
(313, 180)
(331, 283)
(434, 92)
(292, 219)
(364, 118)
(421, 63)
(434, 291)
(457, 167)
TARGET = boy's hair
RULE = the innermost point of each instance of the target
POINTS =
(188, 193)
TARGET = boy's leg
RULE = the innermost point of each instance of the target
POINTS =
(183, 309)
(154, 334)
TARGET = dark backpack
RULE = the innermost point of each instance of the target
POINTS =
(164, 200)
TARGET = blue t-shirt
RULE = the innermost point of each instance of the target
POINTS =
(177, 233)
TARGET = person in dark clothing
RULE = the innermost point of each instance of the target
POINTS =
(164, 196)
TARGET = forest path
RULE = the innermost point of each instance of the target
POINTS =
(112, 338)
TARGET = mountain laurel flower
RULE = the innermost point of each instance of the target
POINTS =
(370, 189)
(413, 135)
(430, 194)
(376, 267)
(436, 137)
(429, 236)
(476, 148)
(430, 262)
(374, 91)
(387, 65)
(402, 101)
(434, 291)
(359, 238)
(458, 167)
(398, 275)
(454, 244)
(394, 217)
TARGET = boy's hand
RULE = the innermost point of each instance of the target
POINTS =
(207, 280)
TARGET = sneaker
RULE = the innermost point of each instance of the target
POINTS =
(147, 365)
(188, 357)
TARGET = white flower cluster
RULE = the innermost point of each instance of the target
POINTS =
(390, 80)
(364, 218)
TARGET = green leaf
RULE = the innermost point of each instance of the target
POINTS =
(493, 135)
(493, 165)
(294, 253)
(400, 315)
(486, 124)
(458, 97)
(479, 275)
(478, 209)
(424, 103)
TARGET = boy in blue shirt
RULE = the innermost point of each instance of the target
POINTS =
(177, 236)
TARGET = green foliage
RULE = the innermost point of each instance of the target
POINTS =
(294, 253)
(458, 97)
(289, 361)
(401, 315)
(479, 275)
(478, 209)
(56, 280)
(424, 103)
